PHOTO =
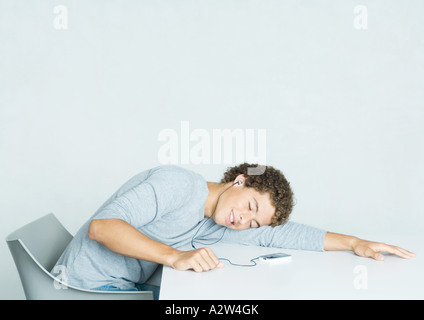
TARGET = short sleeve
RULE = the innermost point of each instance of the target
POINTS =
(137, 206)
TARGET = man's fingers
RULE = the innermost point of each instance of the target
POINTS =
(378, 256)
(197, 267)
(397, 251)
(407, 253)
(370, 253)
(211, 258)
(404, 253)
(382, 247)
(204, 260)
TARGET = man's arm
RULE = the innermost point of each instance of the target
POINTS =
(292, 235)
(122, 238)
(363, 248)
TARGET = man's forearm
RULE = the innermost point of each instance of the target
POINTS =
(336, 241)
(122, 238)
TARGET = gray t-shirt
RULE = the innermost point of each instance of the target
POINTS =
(167, 204)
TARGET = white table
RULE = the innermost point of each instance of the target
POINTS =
(309, 275)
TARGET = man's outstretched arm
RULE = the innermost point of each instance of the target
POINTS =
(293, 235)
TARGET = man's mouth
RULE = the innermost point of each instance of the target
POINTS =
(231, 218)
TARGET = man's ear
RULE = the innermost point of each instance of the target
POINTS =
(241, 178)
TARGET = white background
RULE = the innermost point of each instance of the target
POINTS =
(81, 109)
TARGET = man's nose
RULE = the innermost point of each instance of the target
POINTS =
(246, 217)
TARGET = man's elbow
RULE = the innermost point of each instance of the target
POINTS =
(94, 232)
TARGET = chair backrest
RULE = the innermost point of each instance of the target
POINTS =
(45, 239)
(36, 247)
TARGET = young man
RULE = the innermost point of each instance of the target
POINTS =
(159, 211)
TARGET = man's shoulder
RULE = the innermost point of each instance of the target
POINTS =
(174, 172)
(176, 186)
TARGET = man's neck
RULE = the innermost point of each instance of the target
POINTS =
(215, 190)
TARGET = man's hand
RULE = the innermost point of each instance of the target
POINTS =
(199, 260)
(363, 248)
(372, 249)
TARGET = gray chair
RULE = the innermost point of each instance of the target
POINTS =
(35, 249)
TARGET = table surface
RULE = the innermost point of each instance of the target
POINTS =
(309, 275)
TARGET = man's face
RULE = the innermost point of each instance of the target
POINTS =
(241, 208)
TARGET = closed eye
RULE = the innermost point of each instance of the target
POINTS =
(254, 223)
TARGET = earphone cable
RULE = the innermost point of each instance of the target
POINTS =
(241, 265)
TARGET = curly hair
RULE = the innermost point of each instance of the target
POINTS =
(270, 180)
